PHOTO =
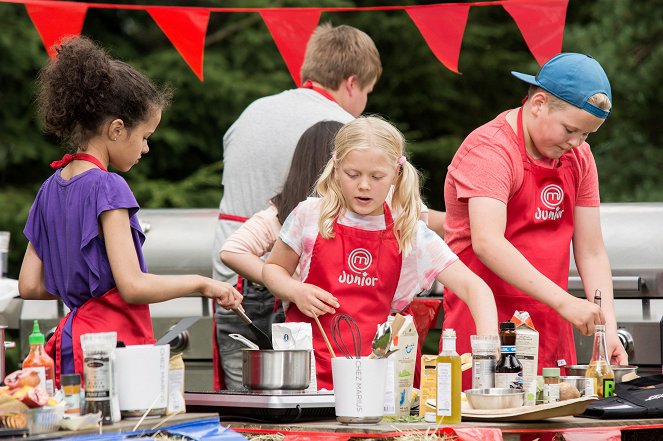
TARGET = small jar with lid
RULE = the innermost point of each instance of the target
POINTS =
(71, 386)
(550, 385)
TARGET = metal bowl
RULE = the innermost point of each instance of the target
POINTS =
(495, 398)
(620, 371)
(284, 369)
(576, 381)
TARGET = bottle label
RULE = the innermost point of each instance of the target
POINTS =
(444, 389)
(608, 387)
(46, 386)
(97, 378)
(550, 393)
(508, 349)
(511, 380)
(483, 373)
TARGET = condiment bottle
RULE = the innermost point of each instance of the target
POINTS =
(71, 386)
(550, 385)
(39, 361)
(484, 358)
(602, 378)
(448, 380)
(508, 371)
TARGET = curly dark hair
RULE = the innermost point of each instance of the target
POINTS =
(83, 87)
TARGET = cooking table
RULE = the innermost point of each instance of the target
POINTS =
(127, 425)
(572, 429)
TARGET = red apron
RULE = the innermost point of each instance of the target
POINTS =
(107, 313)
(361, 269)
(540, 225)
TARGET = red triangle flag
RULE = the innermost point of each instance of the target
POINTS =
(442, 26)
(542, 24)
(186, 29)
(291, 29)
(56, 20)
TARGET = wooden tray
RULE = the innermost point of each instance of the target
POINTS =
(530, 413)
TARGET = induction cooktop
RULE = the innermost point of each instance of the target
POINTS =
(262, 406)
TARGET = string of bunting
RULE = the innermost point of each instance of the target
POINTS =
(541, 23)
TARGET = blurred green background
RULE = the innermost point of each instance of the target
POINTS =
(433, 106)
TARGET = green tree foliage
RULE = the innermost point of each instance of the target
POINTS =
(434, 107)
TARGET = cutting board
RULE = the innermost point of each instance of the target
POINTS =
(572, 407)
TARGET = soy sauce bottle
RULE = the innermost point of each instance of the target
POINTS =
(508, 371)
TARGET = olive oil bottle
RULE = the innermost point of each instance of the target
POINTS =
(600, 374)
(448, 380)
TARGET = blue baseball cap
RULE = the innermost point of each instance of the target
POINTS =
(573, 78)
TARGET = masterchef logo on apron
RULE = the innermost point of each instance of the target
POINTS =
(552, 197)
(359, 261)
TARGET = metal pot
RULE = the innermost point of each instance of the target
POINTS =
(277, 369)
(619, 371)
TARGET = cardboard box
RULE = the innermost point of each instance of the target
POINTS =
(527, 346)
(428, 386)
(400, 371)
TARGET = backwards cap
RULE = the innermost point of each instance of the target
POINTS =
(573, 78)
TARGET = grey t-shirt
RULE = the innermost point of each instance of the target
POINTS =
(257, 151)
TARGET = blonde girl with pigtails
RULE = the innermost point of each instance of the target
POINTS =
(360, 246)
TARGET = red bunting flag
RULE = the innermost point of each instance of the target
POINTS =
(55, 21)
(442, 26)
(542, 24)
(291, 29)
(186, 29)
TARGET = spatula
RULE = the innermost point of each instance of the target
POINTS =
(263, 340)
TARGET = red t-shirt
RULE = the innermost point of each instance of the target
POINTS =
(488, 164)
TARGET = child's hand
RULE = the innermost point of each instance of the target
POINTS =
(222, 293)
(582, 314)
(311, 299)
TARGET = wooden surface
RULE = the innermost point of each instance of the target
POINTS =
(127, 425)
(551, 425)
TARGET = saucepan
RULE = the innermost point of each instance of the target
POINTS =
(274, 369)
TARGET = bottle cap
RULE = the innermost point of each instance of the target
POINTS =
(550, 372)
(507, 326)
(36, 338)
(447, 333)
(70, 379)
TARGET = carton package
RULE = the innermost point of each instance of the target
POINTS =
(296, 335)
(428, 386)
(400, 367)
(527, 346)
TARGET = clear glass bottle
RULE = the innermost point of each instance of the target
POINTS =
(484, 359)
(508, 371)
(602, 378)
(39, 361)
(448, 380)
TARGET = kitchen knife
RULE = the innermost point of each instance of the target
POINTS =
(180, 327)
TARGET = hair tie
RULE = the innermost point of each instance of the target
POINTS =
(402, 160)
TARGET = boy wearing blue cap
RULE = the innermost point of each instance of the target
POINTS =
(518, 192)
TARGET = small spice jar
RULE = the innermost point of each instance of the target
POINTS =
(71, 386)
(550, 385)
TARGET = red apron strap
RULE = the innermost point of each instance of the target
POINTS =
(53, 349)
(232, 217)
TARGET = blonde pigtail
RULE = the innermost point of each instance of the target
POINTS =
(331, 200)
(406, 203)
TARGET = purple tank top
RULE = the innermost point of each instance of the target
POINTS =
(63, 227)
